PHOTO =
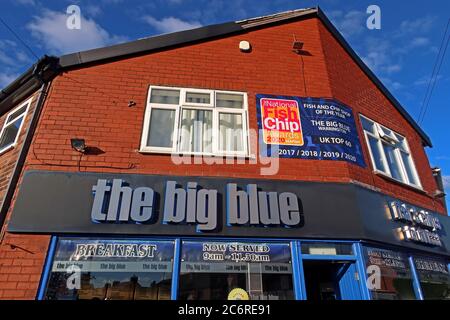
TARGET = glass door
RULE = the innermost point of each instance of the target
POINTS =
(330, 271)
(331, 280)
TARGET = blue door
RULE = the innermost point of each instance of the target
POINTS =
(348, 280)
(331, 280)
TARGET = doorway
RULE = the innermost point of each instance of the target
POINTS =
(331, 280)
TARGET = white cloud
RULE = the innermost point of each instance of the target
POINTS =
(417, 26)
(446, 181)
(425, 80)
(420, 42)
(380, 57)
(392, 84)
(6, 78)
(349, 23)
(10, 55)
(6, 59)
(385, 53)
(171, 24)
(50, 28)
(92, 10)
(26, 2)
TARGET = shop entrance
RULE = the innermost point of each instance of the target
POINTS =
(331, 280)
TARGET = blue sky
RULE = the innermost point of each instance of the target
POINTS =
(402, 53)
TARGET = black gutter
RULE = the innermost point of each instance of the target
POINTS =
(372, 76)
(31, 80)
(42, 73)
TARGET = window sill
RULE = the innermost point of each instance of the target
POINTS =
(390, 179)
(6, 149)
(203, 155)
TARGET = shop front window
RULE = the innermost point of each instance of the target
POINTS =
(110, 270)
(434, 278)
(388, 274)
(235, 271)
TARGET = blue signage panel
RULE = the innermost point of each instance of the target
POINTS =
(307, 128)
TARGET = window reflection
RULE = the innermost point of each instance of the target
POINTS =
(218, 270)
(395, 282)
(434, 278)
(111, 270)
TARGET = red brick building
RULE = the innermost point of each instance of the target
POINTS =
(115, 182)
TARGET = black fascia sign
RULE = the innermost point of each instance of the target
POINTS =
(118, 203)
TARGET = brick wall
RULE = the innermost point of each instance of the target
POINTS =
(21, 258)
(92, 103)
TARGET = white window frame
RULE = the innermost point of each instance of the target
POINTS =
(393, 141)
(196, 106)
(183, 97)
(245, 125)
(9, 121)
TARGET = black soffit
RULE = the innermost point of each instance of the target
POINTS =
(176, 39)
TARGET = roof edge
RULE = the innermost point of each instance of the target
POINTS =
(140, 46)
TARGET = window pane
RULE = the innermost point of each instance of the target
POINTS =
(402, 143)
(10, 133)
(231, 132)
(396, 279)
(196, 97)
(17, 113)
(376, 153)
(196, 131)
(160, 133)
(111, 270)
(165, 96)
(409, 168)
(434, 278)
(368, 125)
(227, 270)
(227, 100)
(387, 132)
(394, 166)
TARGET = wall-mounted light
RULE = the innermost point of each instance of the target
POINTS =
(297, 46)
(438, 194)
(78, 144)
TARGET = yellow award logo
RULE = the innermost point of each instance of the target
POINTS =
(238, 294)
